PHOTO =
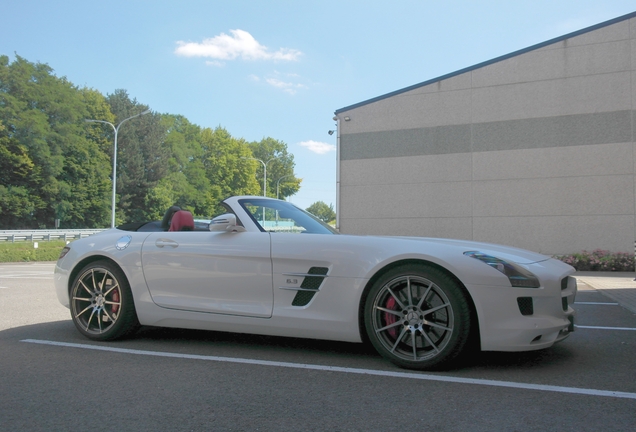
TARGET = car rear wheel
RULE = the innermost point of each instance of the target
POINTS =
(102, 306)
(418, 317)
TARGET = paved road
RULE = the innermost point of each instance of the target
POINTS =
(51, 378)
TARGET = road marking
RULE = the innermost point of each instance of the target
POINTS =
(596, 303)
(37, 275)
(605, 328)
(408, 375)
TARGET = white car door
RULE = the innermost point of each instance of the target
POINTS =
(214, 272)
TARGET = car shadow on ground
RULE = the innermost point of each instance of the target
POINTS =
(282, 349)
(165, 336)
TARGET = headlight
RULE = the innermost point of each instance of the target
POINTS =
(518, 276)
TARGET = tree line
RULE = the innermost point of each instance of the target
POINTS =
(55, 165)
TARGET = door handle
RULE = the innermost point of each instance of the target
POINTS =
(166, 242)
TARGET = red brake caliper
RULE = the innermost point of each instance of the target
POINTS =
(390, 318)
(115, 299)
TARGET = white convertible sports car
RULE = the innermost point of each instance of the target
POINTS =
(267, 267)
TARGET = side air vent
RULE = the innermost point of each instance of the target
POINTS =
(310, 286)
(303, 298)
(564, 283)
(526, 306)
(568, 291)
(314, 282)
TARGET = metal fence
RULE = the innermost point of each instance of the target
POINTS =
(45, 235)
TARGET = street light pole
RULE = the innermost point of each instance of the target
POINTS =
(278, 183)
(116, 129)
(264, 171)
(337, 119)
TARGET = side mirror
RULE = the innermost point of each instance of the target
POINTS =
(225, 222)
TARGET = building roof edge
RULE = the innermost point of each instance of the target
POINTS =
(489, 62)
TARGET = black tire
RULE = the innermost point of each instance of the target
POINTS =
(425, 330)
(102, 306)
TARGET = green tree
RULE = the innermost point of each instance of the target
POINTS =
(50, 168)
(54, 165)
(186, 183)
(142, 159)
(280, 166)
(98, 109)
(322, 211)
(16, 203)
(226, 165)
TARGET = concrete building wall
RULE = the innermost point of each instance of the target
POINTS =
(535, 149)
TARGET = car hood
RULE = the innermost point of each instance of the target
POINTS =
(508, 253)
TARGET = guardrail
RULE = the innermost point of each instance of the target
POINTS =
(46, 235)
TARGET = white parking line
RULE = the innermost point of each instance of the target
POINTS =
(605, 328)
(596, 303)
(27, 276)
(427, 377)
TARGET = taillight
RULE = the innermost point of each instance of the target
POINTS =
(65, 250)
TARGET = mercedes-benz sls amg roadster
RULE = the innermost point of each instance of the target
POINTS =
(267, 267)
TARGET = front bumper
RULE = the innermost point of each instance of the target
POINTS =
(525, 319)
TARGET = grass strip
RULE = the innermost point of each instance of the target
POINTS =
(26, 251)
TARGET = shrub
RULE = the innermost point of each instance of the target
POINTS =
(599, 260)
(24, 251)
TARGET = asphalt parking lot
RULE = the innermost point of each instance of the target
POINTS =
(51, 378)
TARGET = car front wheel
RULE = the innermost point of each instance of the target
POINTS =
(418, 317)
(102, 306)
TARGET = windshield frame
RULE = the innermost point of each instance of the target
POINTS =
(311, 223)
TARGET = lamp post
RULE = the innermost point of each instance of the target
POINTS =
(116, 129)
(337, 132)
(264, 171)
(278, 183)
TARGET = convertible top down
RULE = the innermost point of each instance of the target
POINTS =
(268, 267)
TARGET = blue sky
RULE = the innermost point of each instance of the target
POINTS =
(279, 68)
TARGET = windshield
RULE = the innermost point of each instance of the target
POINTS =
(281, 216)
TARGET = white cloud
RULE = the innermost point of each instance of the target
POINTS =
(288, 87)
(240, 44)
(318, 147)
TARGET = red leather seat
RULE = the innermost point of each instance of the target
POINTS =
(182, 221)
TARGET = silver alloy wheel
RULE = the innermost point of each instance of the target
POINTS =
(96, 300)
(412, 318)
